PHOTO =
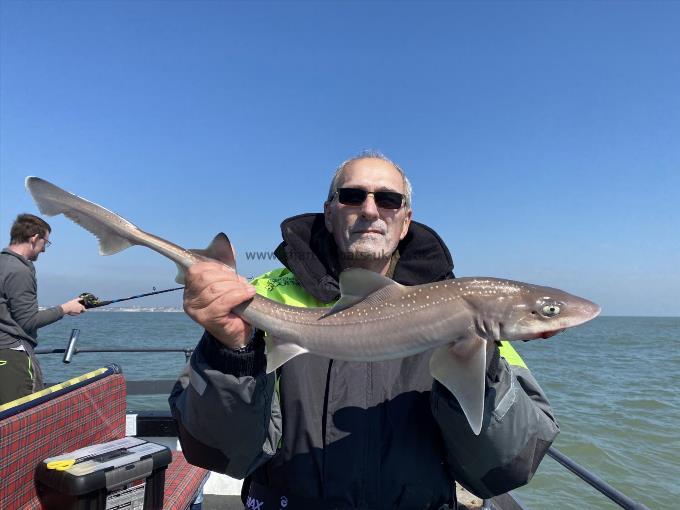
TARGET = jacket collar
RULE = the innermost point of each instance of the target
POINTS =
(308, 250)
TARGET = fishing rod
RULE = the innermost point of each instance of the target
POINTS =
(89, 300)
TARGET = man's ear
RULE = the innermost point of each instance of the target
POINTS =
(406, 223)
(327, 212)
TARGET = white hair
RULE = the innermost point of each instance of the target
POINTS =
(366, 154)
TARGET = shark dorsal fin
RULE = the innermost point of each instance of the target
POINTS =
(356, 284)
(219, 249)
(362, 282)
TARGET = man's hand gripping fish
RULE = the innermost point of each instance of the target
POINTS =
(375, 318)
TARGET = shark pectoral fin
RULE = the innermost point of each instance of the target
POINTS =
(356, 284)
(220, 248)
(279, 353)
(461, 368)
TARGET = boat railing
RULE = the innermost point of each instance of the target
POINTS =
(594, 481)
(164, 386)
(71, 349)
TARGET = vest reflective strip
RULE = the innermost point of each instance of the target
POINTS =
(510, 355)
(282, 286)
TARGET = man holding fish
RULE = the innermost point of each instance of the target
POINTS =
(361, 374)
(327, 433)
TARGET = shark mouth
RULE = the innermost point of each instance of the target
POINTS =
(543, 335)
(548, 334)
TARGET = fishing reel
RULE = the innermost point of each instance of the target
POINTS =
(89, 300)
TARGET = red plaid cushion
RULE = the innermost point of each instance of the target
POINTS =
(88, 415)
(182, 481)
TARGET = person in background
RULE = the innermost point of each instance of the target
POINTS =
(20, 318)
(321, 433)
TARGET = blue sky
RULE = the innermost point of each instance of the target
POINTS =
(541, 138)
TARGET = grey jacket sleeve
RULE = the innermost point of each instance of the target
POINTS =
(226, 409)
(518, 427)
(21, 290)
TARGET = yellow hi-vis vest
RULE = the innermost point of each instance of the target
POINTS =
(281, 286)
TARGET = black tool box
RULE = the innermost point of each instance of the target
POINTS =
(126, 474)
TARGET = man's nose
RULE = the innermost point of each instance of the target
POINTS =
(369, 209)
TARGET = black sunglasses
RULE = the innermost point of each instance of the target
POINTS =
(383, 199)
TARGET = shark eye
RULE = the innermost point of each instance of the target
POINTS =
(550, 310)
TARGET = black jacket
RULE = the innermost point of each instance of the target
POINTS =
(357, 434)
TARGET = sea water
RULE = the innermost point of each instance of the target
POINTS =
(613, 383)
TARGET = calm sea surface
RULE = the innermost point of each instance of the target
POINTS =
(614, 384)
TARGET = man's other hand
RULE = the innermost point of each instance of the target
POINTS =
(211, 291)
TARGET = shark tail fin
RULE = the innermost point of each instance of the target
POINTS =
(52, 200)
